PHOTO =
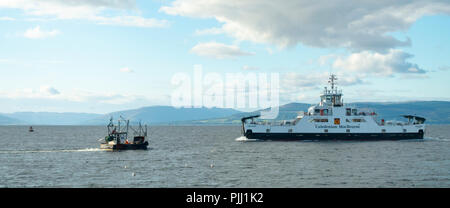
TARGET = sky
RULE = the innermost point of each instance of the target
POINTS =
(99, 56)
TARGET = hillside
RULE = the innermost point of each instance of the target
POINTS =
(436, 112)
(165, 115)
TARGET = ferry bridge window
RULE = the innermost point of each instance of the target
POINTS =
(319, 120)
(354, 112)
(347, 111)
(358, 120)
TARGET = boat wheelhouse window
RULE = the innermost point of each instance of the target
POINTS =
(358, 120)
(347, 111)
(354, 111)
(319, 120)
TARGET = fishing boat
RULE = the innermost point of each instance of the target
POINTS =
(331, 119)
(117, 138)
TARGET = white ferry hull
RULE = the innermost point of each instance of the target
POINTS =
(333, 136)
(308, 131)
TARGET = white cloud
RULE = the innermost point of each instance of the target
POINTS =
(74, 95)
(269, 51)
(218, 50)
(44, 91)
(353, 24)
(37, 33)
(378, 64)
(444, 68)
(93, 10)
(48, 90)
(7, 19)
(246, 67)
(209, 31)
(126, 70)
(132, 21)
(306, 87)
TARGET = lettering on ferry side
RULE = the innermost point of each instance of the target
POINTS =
(335, 126)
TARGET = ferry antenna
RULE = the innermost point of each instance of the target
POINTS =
(331, 81)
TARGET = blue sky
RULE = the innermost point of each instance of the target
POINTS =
(100, 56)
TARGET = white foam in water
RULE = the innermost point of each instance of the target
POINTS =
(63, 150)
(437, 139)
(85, 150)
(245, 139)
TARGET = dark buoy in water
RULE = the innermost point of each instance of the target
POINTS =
(31, 129)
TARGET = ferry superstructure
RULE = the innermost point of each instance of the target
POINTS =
(331, 119)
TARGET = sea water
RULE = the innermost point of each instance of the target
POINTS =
(210, 156)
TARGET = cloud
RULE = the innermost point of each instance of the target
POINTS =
(93, 10)
(249, 68)
(44, 91)
(132, 21)
(48, 90)
(37, 33)
(379, 64)
(126, 70)
(315, 80)
(352, 24)
(218, 50)
(444, 68)
(75, 95)
(7, 19)
(209, 31)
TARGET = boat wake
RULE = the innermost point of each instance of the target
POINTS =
(245, 139)
(436, 139)
(47, 151)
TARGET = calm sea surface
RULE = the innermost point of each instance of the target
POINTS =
(199, 156)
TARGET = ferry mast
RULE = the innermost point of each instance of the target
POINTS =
(331, 97)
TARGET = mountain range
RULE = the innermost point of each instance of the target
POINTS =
(436, 112)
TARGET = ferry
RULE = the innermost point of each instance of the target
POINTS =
(331, 119)
(117, 138)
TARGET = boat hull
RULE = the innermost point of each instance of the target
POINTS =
(142, 146)
(333, 136)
